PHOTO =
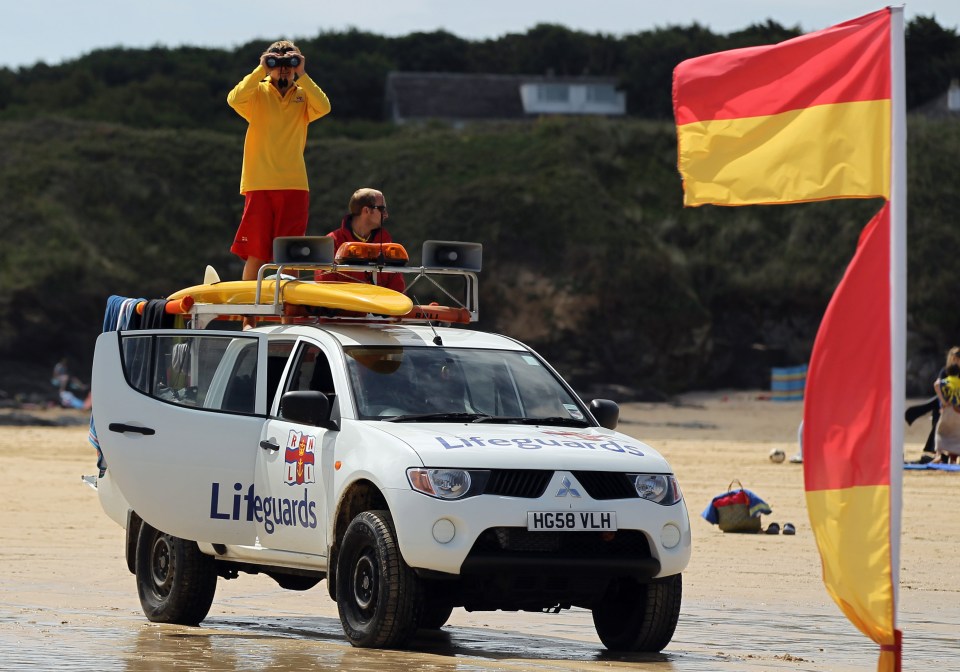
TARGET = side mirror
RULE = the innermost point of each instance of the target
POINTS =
(308, 407)
(606, 412)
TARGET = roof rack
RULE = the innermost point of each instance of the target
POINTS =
(440, 260)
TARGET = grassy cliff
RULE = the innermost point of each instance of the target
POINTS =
(588, 255)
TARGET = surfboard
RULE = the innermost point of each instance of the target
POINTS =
(353, 296)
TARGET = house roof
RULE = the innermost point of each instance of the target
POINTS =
(443, 95)
(944, 106)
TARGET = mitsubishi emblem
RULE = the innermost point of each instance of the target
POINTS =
(567, 488)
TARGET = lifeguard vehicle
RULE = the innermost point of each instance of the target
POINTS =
(353, 437)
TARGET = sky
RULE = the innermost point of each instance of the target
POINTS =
(53, 31)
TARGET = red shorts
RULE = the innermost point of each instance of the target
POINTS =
(269, 214)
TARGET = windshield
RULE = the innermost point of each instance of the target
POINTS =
(457, 385)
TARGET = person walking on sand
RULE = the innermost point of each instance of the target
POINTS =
(279, 100)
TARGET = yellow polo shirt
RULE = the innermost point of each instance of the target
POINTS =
(276, 131)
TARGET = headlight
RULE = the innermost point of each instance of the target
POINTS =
(659, 488)
(442, 483)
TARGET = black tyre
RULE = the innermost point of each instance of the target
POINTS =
(378, 596)
(639, 616)
(175, 581)
(435, 614)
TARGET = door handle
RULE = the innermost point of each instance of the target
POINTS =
(269, 445)
(122, 428)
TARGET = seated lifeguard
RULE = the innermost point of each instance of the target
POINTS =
(364, 224)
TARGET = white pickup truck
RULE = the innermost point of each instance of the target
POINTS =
(415, 468)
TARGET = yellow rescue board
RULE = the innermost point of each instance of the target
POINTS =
(353, 296)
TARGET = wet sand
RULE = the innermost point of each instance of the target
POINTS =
(751, 602)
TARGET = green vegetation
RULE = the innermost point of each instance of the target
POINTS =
(185, 87)
(131, 189)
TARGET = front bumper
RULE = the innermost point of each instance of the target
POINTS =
(488, 534)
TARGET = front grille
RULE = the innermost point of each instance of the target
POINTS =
(606, 484)
(528, 483)
(532, 483)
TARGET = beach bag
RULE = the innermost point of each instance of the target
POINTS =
(733, 511)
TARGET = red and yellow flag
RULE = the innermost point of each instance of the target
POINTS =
(816, 118)
(846, 440)
(804, 120)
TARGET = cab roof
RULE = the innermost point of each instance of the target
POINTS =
(409, 335)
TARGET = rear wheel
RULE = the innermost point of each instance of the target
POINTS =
(639, 616)
(175, 581)
(378, 596)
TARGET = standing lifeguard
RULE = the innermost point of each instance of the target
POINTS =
(278, 100)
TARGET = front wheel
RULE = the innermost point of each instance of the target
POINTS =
(175, 581)
(639, 616)
(378, 596)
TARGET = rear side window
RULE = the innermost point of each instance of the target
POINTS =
(205, 371)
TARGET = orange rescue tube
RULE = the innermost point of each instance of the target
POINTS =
(175, 307)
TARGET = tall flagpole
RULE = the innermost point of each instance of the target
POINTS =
(898, 286)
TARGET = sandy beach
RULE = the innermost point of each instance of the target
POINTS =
(751, 602)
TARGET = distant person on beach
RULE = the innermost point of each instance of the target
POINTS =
(798, 458)
(61, 375)
(933, 407)
(279, 100)
(64, 381)
(71, 392)
(947, 441)
(363, 223)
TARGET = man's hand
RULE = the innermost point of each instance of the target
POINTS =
(299, 71)
(265, 55)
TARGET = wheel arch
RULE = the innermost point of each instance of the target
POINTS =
(361, 495)
(134, 523)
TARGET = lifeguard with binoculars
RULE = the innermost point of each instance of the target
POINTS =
(278, 100)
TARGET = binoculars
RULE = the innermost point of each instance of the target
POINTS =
(282, 61)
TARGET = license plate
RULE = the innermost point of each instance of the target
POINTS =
(574, 521)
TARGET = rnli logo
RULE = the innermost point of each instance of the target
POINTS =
(566, 488)
(300, 458)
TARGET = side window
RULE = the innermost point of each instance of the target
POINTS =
(311, 371)
(241, 385)
(137, 354)
(277, 354)
(207, 371)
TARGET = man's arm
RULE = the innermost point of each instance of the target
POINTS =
(318, 104)
(242, 96)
